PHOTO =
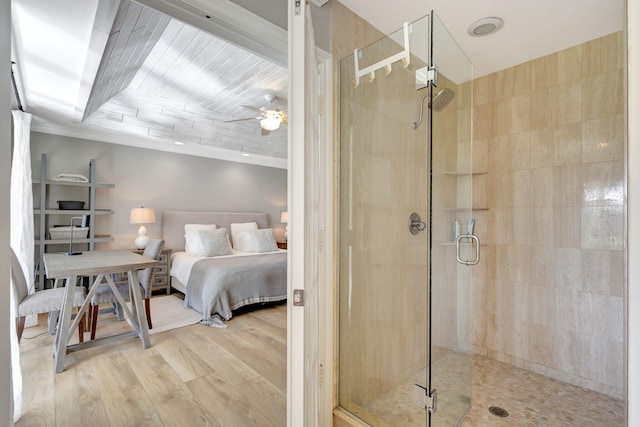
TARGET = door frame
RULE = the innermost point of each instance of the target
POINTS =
(309, 394)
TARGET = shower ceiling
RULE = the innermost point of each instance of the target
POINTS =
(532, 28)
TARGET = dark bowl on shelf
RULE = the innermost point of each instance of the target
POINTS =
(70, 204)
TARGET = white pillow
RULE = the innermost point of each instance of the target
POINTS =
(215, 242)
(258, 240)
(238, 228)
(193, 230)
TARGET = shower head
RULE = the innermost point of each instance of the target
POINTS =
(442, 99)
(439, 101)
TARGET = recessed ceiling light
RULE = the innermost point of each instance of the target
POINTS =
(485, 26)
(246, 154)
(179, 143)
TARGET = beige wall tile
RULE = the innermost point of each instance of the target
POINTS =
(541, 111)
(567, 309)
(566, 267)
(568, 352)
(542, 187)
(482, 122)
(480, 155)
(524, 223)
(503, 228)
(541, 344)
(568, 144)
(541, 259)
(567, 224)
(543, 147)
(519, 150)
(564, 102)
(536, 228)
(601, 316)
(602, 271)
(555, 153)
(596, 361)
(603, 139)
(570, 64)
(602, 55)
(544, 72)
(541, 305)
(480, 91)
(504, 298)
(603, 95)
(567, 185)
(521, 188)
(510, 82)
(603, 183)
(602, 227)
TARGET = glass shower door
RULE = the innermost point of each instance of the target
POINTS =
(400, 141)
(454, 246)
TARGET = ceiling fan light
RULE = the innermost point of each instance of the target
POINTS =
(270, 123)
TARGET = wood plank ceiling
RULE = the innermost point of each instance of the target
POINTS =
(163, 78)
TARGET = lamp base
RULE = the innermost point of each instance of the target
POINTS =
(142, 240)
(72, 253)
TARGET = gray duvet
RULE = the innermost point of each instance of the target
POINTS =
(220, 285)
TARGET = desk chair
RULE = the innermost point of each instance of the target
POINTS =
(104, 294)
(44, 301)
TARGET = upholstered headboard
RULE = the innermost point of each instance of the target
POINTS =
(173, 223)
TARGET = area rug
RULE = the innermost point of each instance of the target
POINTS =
(168, 312)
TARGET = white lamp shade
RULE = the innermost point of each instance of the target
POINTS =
(142, 216)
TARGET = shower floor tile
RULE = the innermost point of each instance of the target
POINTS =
(529, 398)
(535, 400)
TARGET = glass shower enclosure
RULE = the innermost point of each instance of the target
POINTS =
(407, 241)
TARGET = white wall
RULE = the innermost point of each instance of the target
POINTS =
(159, 180)
(633, 203)
(6, 408)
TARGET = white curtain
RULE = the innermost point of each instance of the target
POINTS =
(22, 237)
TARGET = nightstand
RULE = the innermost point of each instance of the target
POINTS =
(282, 245)
(160, 276)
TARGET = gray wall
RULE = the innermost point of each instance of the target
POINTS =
(159, 180)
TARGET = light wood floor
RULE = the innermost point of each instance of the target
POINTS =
(192, 376)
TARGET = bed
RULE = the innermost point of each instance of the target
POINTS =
(216, 286)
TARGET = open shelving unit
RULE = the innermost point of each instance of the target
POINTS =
(42, 211)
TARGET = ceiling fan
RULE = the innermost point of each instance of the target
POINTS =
(270, 117)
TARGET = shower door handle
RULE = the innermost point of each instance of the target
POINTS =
(472, 238)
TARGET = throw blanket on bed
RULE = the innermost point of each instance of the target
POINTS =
(220, 285)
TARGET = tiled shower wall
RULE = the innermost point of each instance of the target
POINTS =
(548, 294)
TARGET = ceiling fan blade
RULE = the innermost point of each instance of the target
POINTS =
(241, 120)
(252, 108)
(264, 132)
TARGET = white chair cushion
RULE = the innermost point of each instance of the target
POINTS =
(49, 300)
(104, 295)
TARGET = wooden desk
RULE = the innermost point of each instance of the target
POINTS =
(100, 264)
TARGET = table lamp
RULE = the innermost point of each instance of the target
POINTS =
(284, 218)
(142, 216)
